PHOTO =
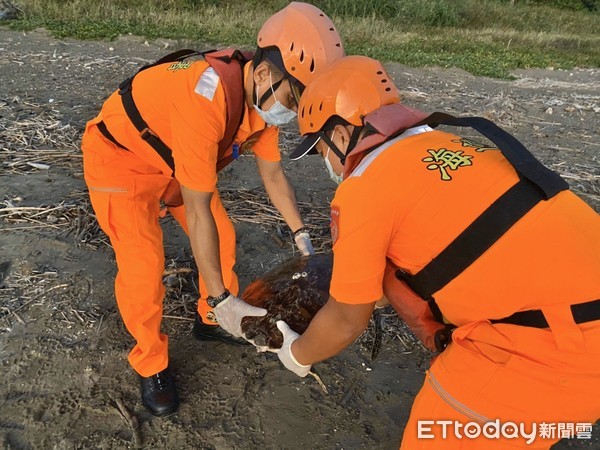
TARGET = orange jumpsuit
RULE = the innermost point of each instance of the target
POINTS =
(405, 202)
(184, 104)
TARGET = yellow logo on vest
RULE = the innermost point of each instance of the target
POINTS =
(470, 143)
(180, 65)
(445, 160)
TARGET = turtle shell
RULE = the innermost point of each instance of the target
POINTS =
(293, 292)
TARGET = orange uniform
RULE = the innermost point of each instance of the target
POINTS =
(184, 104)
(408, 200)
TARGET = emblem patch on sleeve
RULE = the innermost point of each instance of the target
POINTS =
(334, 224)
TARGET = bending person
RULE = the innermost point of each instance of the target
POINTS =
(178, 122)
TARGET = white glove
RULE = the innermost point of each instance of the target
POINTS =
(285, 352)
(232, 310)
(303, 243)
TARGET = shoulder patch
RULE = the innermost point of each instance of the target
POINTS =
(334, 224)
(207, 84)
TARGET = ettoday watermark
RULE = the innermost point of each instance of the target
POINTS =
(430, 429)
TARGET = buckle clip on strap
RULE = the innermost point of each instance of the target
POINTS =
(443, 337)
(147, 133)
(125, 85)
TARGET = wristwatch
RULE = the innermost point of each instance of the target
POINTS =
(298, 231)
(214, 301)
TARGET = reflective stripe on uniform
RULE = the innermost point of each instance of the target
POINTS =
(453, 402)
(207, 84)
(107, 189)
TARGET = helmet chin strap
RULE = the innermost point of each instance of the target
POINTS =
(351, 145)
(269, 93)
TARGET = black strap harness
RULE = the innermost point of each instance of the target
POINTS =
(537, 183)
(480, 235)
(234, 113)
(108, 135)
(582, 313)
(125, 91)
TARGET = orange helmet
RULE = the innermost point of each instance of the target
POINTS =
(306, 39)
(350, 88)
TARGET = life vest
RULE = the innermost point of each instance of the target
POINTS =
(537, 183)
(228, 64)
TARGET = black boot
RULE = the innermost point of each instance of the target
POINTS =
(204, 332)
(159, 394)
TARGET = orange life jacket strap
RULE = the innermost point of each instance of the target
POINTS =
(223, 63)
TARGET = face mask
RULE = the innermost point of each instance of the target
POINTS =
(277, 114)
(337, 179)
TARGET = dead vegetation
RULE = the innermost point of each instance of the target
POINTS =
(25, 287)
(33, 137)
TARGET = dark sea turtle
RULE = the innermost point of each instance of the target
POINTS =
(293, 291)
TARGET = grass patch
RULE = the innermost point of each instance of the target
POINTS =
(485, 37)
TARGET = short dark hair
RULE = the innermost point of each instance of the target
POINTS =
(270, 55)
(333, 121)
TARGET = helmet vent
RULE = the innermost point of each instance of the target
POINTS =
(310, 109)
(338, 45)
(379, 72)
(384, 81)
(312, 65)
(332, 29)
(321, 107)
(302, 56)
(388, 89)
(302, 112)
(292, 47)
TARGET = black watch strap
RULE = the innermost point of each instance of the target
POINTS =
(214, 301)
(299, 230)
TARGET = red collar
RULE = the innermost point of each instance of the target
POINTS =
(387, 122)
